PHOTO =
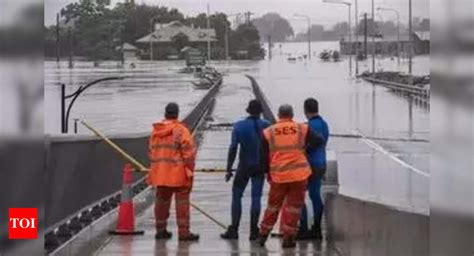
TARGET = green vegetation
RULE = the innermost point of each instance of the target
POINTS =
(94, 29)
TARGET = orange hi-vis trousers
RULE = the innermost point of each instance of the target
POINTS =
(292, 195)
(162, 208)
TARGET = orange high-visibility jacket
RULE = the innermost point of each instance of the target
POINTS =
(287, 156)
(172, 154)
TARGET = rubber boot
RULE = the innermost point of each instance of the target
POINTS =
(231, 233)
(315, 232)
(163, 235)
(254, 231)
(303, 233)
(262, 239)
(289, 242)
(190, 237)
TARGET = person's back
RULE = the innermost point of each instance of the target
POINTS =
(317, 156)
(247, 134)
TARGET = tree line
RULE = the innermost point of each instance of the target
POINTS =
(94, 29)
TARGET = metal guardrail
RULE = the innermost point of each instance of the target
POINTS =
(267, 110)
(83, 176)
(419, 95)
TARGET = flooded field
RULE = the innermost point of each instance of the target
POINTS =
(388, 172)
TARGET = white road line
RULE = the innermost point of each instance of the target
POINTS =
(379, 148)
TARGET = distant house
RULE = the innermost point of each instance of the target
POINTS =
(129, 51)
(168, 39)
(387, 45)
(421, 40)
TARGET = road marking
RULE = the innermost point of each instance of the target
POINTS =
(379, 148)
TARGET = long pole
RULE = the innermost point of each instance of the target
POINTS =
(69, 35)
(140, 167)
(410, 32)
(269, 47)
(58, 45)
(309, 38)
(373, 36)
(350, 41)
(63, 109)
(208, 41)
(152, 30)
(357, 35)
(398, 38)
(226, 42)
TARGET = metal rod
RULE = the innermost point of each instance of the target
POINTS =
(142, 168)
(357, 35)
(373, 36)
(58, 43)
(63, 108)
(269, 47)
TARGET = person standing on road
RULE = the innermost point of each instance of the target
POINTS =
(285, 144)
(172, 158)
(317, 161)
(247, 134)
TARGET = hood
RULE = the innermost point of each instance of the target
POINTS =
(164, 128)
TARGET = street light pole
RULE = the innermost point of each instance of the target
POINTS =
(356, 7)
(410, 32)
(373, 37)
(350, 31)
(309, 32)
(398, 30)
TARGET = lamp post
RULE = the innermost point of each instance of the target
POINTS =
(349, 5)
(309, 32)
(410, 36)
(373, 37)
(152, 35)
(398, 30)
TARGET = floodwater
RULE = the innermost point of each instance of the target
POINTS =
(387, 172)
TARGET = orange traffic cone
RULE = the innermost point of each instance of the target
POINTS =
(126, 215)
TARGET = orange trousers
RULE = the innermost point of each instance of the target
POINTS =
(162, 208)
(292, 195)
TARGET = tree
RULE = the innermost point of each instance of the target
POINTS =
(341, 29)
(246, 38)
(272, 24)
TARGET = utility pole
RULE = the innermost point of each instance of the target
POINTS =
(373, 36)
(58, 43)
(410, 44)
(226, 42)
(208, 40)
(365, 35)
(69, 35)
(356, 8)
(269, 47)
(309, 38)
(152, 33)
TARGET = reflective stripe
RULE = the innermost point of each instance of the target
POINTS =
(182, 201)
(161, 222)
(162, 201)
(168, 146)
(126, 193)
(293, 210)
(272, 139)
(287, 148)
(289, 228)
(183, 222)
(167, 160)
(300, 136)
(272, 209)
(288, 167)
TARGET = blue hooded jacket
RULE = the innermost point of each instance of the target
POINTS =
(317, 157)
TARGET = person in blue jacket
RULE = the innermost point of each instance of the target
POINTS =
(317, 160)
(247, 134)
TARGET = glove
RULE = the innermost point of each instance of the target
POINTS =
(228, 176)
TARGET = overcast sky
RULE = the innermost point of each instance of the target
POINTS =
(321, 13)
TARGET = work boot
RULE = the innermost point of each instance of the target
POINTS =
(289, 242)
(262, 239)
(190, 237)
(303, 234)
(165, 234)
(315, 232)
(254, 233)
(231, 233)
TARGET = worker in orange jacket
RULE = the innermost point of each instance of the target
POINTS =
(285, 144)
(172, 155)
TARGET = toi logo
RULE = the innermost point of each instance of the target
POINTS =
(22, 223)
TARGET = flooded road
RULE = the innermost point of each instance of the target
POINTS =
(387, 172)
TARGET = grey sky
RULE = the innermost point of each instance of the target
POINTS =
(321, 13)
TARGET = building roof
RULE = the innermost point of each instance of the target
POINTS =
(165, 33)
(423, 35)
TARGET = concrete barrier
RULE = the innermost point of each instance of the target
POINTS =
(360, 228)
